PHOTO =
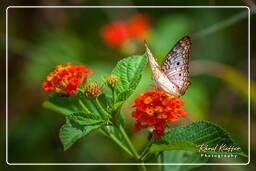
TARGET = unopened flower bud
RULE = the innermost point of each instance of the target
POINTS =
(111, 81)
(92, 90)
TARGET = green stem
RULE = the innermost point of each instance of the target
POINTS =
(83, 106)
(106, 114)
(130, 145)
(143, 167)
(145, 151)
(105, 132)
(114, 96)
(162, 160)
(133, 152)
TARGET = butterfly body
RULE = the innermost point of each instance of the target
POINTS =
(173, 75)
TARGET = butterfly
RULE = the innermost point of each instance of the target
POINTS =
(173, 75)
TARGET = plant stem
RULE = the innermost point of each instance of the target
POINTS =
(114, 96)
(143, 167)
(106, 114)
(83, 106)
(130, 145)
(162, 160)
(105, 132)
(147, 147)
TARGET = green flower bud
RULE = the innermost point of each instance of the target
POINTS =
(111, 81)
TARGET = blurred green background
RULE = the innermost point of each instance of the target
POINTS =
(40, 39)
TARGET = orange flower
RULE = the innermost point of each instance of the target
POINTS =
(150, 111)
(66, 79)
(156, 109)
(148, 100)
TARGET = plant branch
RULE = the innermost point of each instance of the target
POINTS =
(104, 132)
(113, 95)
(83, 106)
(129, 143)
(145, 150)
(103, 111)
(162, 160)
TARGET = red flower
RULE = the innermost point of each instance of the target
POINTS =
(139, 26)
(115, 34)
(156, 109)
(66, 79)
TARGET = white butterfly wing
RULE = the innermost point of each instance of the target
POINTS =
(176, 64)
(160, 78)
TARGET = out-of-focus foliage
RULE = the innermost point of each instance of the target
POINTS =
(167, 31)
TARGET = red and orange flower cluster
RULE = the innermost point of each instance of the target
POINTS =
(156, 109)
(118, 32)
(66, 79)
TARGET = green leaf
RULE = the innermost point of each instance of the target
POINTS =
(197, 133)
(90, 103)
(121, 97)
(180, 156)
(77, 126)
(69, 105)
(128, 71)
(64, 105)
(85, 119)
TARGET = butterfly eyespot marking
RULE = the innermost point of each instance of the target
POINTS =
(173, 75)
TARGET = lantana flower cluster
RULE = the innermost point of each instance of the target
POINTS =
(156, 109)
(117, 33)
(66, 79)
(92, 90)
